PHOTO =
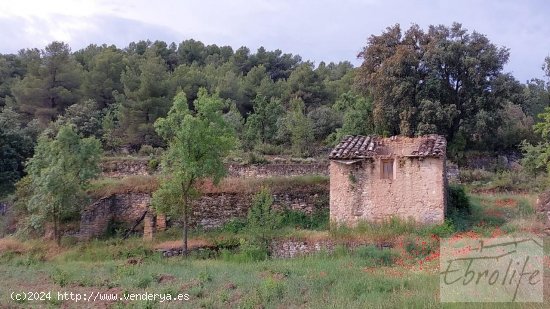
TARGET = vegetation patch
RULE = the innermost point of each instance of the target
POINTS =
(106, 187)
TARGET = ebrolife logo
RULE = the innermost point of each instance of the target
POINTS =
(503, 269)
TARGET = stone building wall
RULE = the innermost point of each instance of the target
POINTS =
(417, 190)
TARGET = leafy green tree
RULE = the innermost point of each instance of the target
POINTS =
(446, 68)
(357, 116)
(60, 170)
(189, 79)
(197, 142)
(85, 117)
(516, 127)
(251, 85)
(103, 76)
(305, 84)
(325, 120)
(16, 145)
(536, 97)
(234, 119)
(300, 128)
(191, 51)
(146, 98)
(51, 83)
(261, 126)
(10, 71)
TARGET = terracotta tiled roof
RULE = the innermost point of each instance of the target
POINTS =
(361, 147)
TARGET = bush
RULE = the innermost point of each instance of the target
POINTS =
(146, 150)
(248, 252)
(376, 257)
(421, 250)
(255, 158)
(152, 165)
(525, 208)
(442, 230)
(457, 200)
(269, 149)
(476, 175)
(234, 225)
(319, 220)
(262, 218)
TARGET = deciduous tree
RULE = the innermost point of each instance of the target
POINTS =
(197, 143)
(60, 171)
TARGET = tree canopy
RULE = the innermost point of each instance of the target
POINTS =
(197, 143)
(443, 80)
(60, 171)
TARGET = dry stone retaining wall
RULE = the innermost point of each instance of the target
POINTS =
(124, 208)
(127, 167)
(124, 167)
(209, 211)
(277, 170)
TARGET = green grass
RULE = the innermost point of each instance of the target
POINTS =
(366, 277)
(479, 180)
(317, 281)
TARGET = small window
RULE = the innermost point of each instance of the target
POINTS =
(387, 169)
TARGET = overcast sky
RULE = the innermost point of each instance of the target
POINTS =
(318, 30)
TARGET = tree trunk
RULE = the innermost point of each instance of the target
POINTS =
(56, 234)
(185, 224)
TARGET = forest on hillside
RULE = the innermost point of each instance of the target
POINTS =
(444, 79)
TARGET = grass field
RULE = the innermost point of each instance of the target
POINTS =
(405, 276)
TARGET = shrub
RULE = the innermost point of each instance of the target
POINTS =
(442, 230)
(255, 158)
(476, 175)
(262, 218)
(376, 257)
(317, 220)
(234, 225)
(269, 149)
(152, 165)
(457, 200)
(60, 277)
(421, 250)
(248, 252)
(146, 150)
(525, 208)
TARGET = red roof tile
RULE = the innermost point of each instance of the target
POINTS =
(361, 147)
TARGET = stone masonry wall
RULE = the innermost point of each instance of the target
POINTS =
(124, 167)
(127, 167)
(213, 210)
(123, 208)
(277, 170)
(290, 248)
(417, 191)
(209, 211)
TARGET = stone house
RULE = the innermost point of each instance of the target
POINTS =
(374, 179)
